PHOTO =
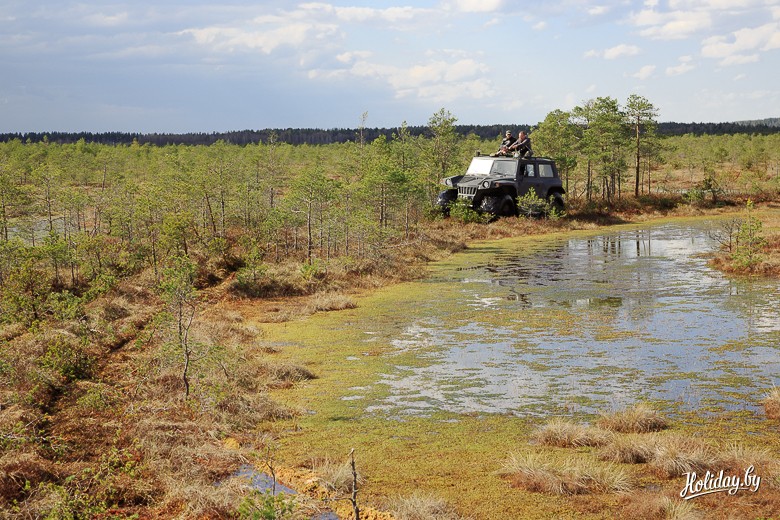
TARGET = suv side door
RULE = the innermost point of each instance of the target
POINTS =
(530, 179)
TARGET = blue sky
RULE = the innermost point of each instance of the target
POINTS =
(191, 66)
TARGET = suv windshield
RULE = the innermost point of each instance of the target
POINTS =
(480, 166)
(487, 166)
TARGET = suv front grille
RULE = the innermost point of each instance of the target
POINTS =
(467, 191)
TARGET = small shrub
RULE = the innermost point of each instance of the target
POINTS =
(67, 358)
(640, 418)
(566, 434)
(461, 210)
(531, 205)
(264, 505)
(750, 242)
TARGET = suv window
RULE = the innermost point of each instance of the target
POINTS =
(546, 170)
(529, 170)
(504, 168)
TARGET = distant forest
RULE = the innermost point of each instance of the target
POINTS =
(317, 136)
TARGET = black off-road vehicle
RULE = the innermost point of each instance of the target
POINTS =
(493, 184)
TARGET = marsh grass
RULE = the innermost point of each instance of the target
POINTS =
(566, 434)
(771, 403)
(653, 507)
(335, 476)
(629, 449)
(539, 473)
(330, 301)
(640, 418)
(676, 455)
(422, 506)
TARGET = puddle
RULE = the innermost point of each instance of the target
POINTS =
(588, 324)
(262, 482)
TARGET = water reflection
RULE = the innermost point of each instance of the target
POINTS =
(592, 323)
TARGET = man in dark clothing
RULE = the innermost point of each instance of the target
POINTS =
(505, 144)
(522, 146)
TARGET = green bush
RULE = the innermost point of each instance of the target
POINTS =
(266, 506)
(66, 359)
(531, 205)
(750, 241)
(461, 210)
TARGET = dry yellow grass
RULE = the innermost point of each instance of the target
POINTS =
(566, 434)
(422, 506)
(629, 449)
(330, 301)
(335, 476)
(676, 455)
(653, 507)
(539, 473)
(640, 418)
(771, 403)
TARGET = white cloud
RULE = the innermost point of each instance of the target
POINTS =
(612, 53)
(598, 10)
(672, 25)
(645, 72)
(742, 45)
(474, 6)
(725, 5)
(437, 80)
(539, 26)
(621, 50)
(232, 39)
(684, 66)
(739, 77)
(738, 59)
(348, 57)
(108, 20)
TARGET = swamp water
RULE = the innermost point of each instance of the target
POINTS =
(580, 323)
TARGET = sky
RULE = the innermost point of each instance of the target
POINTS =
(194, 66)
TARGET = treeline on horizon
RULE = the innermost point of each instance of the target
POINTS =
(317, 136)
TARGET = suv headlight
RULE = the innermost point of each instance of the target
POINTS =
(485, 185)
(448, 182)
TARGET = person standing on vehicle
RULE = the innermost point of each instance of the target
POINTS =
(522, 146)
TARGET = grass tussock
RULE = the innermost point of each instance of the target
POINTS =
(771, 403)
(566, 434)
(676, 455)
(287, 375)
(537, 473)
(335, 476)
(639, 418)
(330, 301)
(653, 507)
(629, 449)
(422, 506)
(735, 458)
